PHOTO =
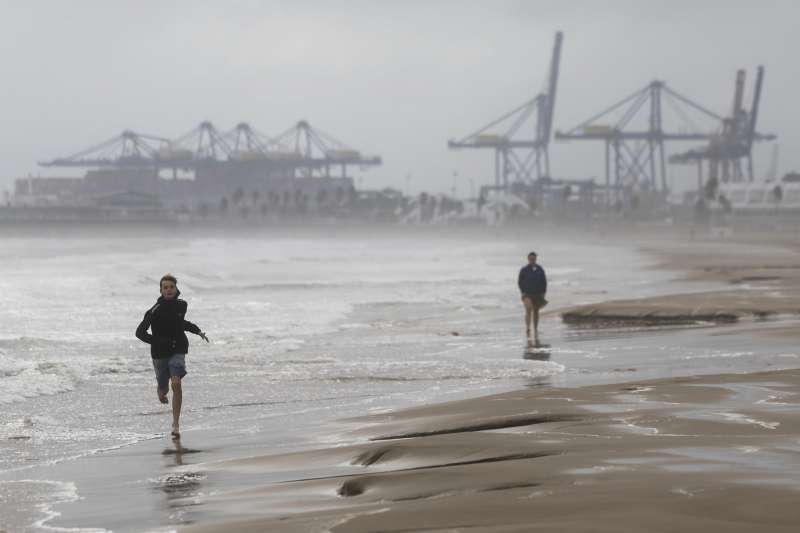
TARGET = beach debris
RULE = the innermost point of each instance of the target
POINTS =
(351, 487)
(370, 457)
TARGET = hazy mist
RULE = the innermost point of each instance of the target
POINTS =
(397, 79)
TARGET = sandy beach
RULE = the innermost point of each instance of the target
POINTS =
(414, 404)
(717, 453)
(768, 275)
(353, 266)
(693, 453)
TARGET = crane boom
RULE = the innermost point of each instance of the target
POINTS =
(751, 132)
(555, 63)
(738, 94)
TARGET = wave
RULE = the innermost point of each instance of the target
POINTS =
(268, 286)
(149, 281)
(32, 502)
(412, 372)
(30, 383)
(23, 378)
(120, 365)
(303, 285)
(8, 344)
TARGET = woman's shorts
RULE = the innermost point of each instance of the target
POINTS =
(168, 367)
(537, 300)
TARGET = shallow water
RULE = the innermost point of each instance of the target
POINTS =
(305, 329)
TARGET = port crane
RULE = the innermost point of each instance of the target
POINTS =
(300, 151)
(733, 143)
(522, 157)
(633, 131)
(128, 149)
(308, 151)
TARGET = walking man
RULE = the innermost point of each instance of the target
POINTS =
(533, 286)
(168, 343)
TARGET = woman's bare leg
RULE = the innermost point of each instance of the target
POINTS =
(177, 400)
(528, 315)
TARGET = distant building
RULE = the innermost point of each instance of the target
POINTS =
(47, 191)
(215, 186)
(106, 181)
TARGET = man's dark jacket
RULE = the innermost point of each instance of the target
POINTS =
(532, 280)
(166, 320)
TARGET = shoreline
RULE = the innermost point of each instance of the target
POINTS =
(479, 453)
(628, 455)
(679, 460)
(761, 286)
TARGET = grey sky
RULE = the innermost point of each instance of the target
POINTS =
(391, 78)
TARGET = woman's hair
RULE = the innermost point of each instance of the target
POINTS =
(167, 277)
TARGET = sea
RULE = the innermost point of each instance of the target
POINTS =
(308, 325)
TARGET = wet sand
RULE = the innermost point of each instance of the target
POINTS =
(706, 453)
(764, 282)
(697, 453)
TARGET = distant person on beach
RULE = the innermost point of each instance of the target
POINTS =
(533, 286)
(168, 343)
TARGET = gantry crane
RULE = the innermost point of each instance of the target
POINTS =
(522, 159)
(308, 151)
(246, 143)
(637, 147)
(205, 143)
(733, 142)
(125, 150)
(300, 150)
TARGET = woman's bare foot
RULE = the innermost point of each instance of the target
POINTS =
(162, 396)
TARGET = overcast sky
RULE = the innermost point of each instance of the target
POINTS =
(394, 78)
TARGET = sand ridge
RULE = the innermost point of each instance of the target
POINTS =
(764, 282)
(681, 454)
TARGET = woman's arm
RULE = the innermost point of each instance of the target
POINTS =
(194, 328)
(191, 328)
(141, 331)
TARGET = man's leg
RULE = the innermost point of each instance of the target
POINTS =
(162, 380)
(528, 314)
(535, 322)
(177, 400)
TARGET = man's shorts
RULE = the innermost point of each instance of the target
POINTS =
(537, 300)
(172, 366)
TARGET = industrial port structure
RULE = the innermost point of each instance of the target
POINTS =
(304, 166)
(299, 151)
(634, 131)
(301, 168)
(518, 156)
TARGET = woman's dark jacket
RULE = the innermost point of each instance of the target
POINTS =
(532, 280)
(166, 320)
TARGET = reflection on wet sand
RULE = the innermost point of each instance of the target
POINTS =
(180, 487)
(695, 452)
(537, 351)
(177, 451)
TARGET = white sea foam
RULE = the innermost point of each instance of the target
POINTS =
(20, 380)
(720, 355)
(29, 504)
(178, 480)
(744, 419)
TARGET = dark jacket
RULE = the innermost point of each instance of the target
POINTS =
(166, 320)
(532, 280)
